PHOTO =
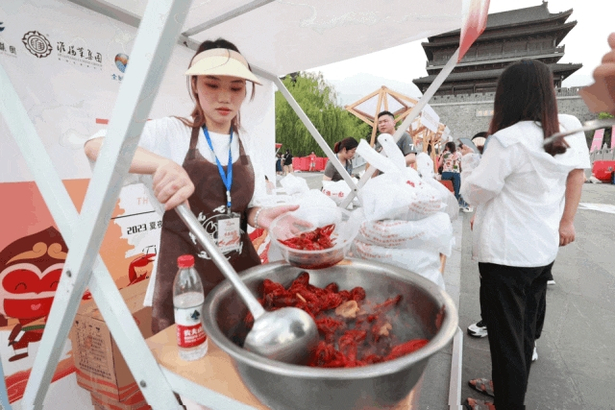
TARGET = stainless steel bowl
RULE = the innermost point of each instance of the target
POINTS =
(426, 311)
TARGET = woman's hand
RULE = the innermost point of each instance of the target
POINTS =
(172, 185)
(566, 233)
(267, 215)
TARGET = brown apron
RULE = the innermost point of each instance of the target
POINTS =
(207, 201)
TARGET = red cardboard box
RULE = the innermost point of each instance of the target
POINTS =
(100, 366)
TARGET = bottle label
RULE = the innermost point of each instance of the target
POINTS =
(190, 331)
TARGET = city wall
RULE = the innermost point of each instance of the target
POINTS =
(468, 114)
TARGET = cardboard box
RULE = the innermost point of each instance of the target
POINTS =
(100, 366)
(134, 402)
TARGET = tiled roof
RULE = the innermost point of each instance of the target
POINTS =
(528, 14)
(567, 69)
(511, 17)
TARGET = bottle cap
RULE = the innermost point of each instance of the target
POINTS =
(185, 261)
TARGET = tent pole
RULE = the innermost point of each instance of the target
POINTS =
(311, 128)
(414, 112)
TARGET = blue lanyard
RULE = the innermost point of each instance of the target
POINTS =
(227, 179)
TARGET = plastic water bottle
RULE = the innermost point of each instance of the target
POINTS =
(188, 303)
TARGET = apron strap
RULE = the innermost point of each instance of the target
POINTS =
(194, 138)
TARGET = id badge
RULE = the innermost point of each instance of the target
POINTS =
(229, 232)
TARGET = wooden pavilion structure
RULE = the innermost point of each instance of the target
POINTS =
(400, 105)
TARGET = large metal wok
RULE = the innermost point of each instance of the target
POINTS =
(426, 311)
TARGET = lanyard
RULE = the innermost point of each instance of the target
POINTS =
(227, 179)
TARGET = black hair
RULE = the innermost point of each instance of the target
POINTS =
(483, 134)
(451, 146)
(348, 143)
(386, 113)
(525, 92)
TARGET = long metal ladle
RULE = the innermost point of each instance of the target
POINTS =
(587, 126)
(287, 334)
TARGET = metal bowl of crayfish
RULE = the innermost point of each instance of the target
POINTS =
(421, 311)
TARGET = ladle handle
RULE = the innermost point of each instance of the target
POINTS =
(220, 260)
(586, 126)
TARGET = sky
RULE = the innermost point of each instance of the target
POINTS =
(398, 66)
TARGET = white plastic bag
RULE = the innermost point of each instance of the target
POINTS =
(447, 197)
(419, 261)
(398, 193)
(424, 165)
(392, 196)
(433, 234)
(338, 190)
(293, 185)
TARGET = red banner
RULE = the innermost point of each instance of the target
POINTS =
(474, 23)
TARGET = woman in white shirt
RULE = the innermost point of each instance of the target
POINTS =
(205, 161)
(526, 196)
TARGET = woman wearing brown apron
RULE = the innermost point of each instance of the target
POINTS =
(202, 161)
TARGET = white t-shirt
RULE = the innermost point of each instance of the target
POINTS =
(170, 138)
(519, 192)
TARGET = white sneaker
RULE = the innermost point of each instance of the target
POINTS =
(551, 282)
(468, 208)
(478, 329)
(534, 353)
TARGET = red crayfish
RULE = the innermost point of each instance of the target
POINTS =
(316, 240)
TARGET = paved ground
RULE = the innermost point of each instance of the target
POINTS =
(576, 353)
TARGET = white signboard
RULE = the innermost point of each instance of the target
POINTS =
(430, 119)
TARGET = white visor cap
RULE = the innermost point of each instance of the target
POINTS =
(221, 61)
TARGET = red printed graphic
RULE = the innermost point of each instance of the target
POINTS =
(190, 336)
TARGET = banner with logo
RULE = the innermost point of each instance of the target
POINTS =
(67, 64)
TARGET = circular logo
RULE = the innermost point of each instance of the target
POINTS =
(121, 61)
(37, 44)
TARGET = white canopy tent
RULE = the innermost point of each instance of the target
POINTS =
(277, 37)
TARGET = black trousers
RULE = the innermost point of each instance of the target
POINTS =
(511, 301)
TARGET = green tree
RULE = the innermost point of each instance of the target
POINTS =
(319, 102)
